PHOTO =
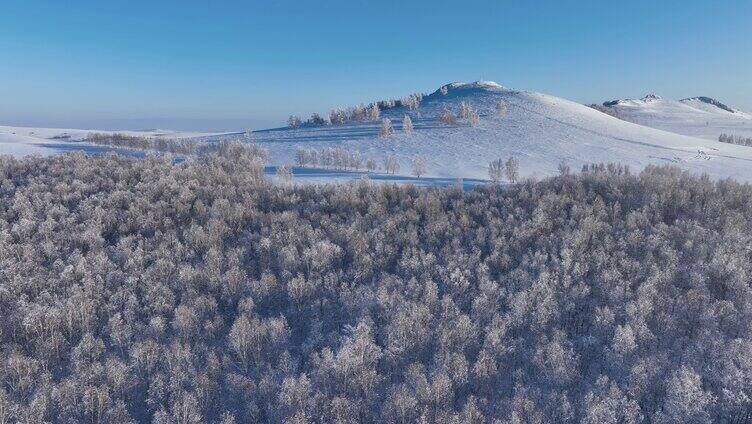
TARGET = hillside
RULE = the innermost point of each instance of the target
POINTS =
(539, 129)
(702, 117)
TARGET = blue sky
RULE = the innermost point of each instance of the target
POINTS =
(236, 64)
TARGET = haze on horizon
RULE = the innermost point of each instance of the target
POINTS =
(192, 66)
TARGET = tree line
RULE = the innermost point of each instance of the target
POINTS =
(735, 139)
(178, 146)
(359, 113)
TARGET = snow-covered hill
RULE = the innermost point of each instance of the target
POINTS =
(539, 129)
(702, 117)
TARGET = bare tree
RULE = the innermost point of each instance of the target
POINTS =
(496, 170)
(301, 156)
(391, 164)
(473, 119)
(386, 128)
(512, 169)
(563, 167)
(419, 166)
(354, 160)
(371, 165)
(407, 124)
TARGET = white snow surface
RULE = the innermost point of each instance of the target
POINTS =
(539, 129)
(701, 117)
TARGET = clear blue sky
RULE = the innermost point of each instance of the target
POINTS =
(232, 64)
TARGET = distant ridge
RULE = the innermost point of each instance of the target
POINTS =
(711, 101)
(700, 116)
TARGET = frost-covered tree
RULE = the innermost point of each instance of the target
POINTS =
(468, 113)
(512, 169)
(407, 124)
(501, 107)
(371, 165)
(301, 156)
(337, 117)
(284, 173)
(317, 120)
(386, 129)
(446, 116)
(412, 101)
(419, 166)
(293, 121)
(391, 164)
(354, 160)
(465, 110)
(496, 170)
(473, 119)
(686, 401)
(373, 112)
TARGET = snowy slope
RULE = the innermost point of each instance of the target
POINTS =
(540, 130)
(696, 116)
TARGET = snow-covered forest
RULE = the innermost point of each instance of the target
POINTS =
(140, 290)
